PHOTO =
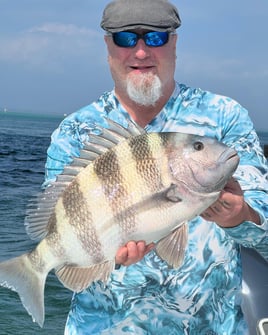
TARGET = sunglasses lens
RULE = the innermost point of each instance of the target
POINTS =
(127, 39)
(156, 38)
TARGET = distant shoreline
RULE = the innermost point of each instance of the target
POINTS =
(31, 114)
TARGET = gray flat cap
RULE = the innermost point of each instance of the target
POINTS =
(122, 15)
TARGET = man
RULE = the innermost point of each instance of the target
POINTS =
(147, 297)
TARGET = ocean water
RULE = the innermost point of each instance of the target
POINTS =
(23, 143)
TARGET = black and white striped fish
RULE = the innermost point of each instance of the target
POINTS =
(126, 185)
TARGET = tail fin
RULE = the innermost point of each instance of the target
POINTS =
(18, 275)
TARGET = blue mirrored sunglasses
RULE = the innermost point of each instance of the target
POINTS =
(127, 39)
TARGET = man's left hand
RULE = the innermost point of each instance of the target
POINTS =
(230, 210)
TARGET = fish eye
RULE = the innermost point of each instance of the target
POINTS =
(198, 146)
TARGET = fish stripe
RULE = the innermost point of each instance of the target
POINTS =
(115, 187)
(80, 218)
(53, 238)
(142, 151)
(147, 150)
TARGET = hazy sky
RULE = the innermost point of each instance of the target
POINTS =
(53, 58)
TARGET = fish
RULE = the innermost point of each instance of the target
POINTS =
(125, 185)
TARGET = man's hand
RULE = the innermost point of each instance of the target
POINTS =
(230, 209)
(132, 252)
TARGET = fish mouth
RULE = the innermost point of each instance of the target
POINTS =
(227, 164)
(213, 178)
(229, 156)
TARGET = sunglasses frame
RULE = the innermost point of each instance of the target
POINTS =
(136, 37)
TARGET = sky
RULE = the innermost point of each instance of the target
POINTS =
(53, 59)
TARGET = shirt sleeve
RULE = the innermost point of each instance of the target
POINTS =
(252, 175)
(66, 142)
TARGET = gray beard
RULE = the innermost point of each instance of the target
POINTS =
(145, 89)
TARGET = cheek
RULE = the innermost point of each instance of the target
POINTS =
(117, 54)
(117, 58)
(166, 68)
(166, 59)
(117, 68)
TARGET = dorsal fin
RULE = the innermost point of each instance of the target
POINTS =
(41, 207)
(133, 129)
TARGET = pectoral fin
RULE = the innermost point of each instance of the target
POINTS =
(173, 193)
(172, 247)
(79, 278)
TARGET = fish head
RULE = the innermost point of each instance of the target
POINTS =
(202, 164)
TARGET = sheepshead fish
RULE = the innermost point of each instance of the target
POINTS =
(126, 185)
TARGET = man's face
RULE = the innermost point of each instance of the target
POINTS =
(142, 67)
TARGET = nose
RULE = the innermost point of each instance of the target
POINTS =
(142, 51)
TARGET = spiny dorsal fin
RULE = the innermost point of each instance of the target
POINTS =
(132, 129)
(77, 278)
(172, 247)
(40, 209)
(96, 145)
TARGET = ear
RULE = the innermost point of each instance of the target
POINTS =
(175, 45)
(107, 40)
(175, 37)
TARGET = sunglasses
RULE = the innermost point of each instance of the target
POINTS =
(127, 39)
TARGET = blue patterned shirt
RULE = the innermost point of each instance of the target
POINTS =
(204, 296)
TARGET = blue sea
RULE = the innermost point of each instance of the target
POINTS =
(23, 143)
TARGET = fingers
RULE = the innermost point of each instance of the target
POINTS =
(135, 252)
(230, 210)
(230, 197)
(132, 252)
(220, 207)
(233, 187)
(225, 204)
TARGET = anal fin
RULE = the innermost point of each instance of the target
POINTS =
(78, 278)
(172, 247)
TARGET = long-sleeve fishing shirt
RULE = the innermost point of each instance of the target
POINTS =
(203, 296)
